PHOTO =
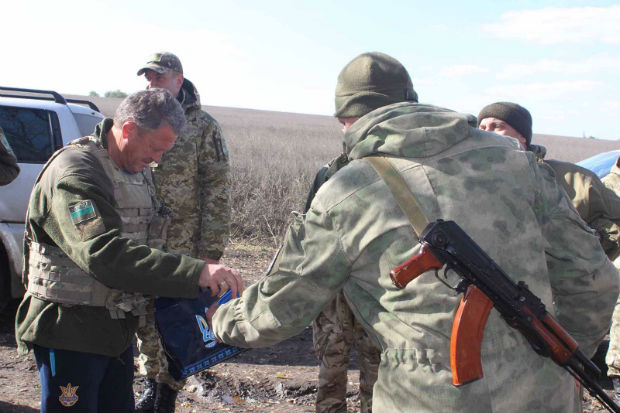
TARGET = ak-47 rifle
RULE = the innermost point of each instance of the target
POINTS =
(485, 286)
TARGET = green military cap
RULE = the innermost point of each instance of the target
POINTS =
(162, 62)
(370, 81)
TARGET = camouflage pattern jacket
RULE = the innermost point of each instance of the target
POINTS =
(597, 205)
(612, 180)
(98, 248)
(8, 164)
(612, 359)
(193, 179)
(323, 175)
(355, 233)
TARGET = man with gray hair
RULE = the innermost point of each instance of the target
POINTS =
(90, 257)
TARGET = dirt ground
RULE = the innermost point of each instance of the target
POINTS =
(282, 378)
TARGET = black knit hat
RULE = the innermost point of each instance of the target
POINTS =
(370, 81)
(515, 115)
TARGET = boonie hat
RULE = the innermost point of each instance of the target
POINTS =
(162, 62)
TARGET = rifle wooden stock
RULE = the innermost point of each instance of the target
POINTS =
(421, 262)
(466, 339)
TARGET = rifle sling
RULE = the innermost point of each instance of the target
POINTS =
(400, 191)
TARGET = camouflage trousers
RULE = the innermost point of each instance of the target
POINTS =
(152, 359)
(334, 332)
(613, 353)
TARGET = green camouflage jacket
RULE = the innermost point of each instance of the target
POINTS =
(193, 179)
(355, 233)
(323, 175)
(597, 205)
(612, 180)
(118, 262)
(8, 164)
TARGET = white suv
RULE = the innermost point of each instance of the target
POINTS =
(35, 123)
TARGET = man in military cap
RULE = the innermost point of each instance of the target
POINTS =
(597, 205)
(8, 164)
(355, 233)
(193, 180)
(88, 259)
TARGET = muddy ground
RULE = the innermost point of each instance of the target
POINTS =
(282, 378)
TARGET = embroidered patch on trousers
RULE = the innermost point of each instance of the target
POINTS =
(69, 395)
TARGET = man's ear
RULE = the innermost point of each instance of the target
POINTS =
(179, 80)
(129, 129)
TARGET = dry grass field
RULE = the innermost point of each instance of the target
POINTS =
(274, 157)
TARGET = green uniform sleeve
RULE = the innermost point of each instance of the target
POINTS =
(215, 197)
(310, 270)
(99, 249)
(597, 205)
(8, 164)
(612, 180)
(583, 280)
(605, 210)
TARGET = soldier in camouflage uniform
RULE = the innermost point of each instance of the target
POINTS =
(193, 180)
(612, 181)
(355, 233)
(89, 258)
(333, 333)
(8, 164)
(597, 205)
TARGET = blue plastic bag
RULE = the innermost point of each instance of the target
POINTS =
(187, 338)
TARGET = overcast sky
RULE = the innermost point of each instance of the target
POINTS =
(560, 59)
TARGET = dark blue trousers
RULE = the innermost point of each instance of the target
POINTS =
(72, 381)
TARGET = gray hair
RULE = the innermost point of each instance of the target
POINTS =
(151, 109)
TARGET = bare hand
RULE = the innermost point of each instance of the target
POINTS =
(220, 278)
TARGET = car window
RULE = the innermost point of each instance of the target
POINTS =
(86, 123)
(34, 134)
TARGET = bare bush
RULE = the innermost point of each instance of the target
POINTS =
(274, 160)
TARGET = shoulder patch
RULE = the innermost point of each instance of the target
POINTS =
(86, 220)
(82, 211)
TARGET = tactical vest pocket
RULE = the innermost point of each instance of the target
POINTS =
(158, 230)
